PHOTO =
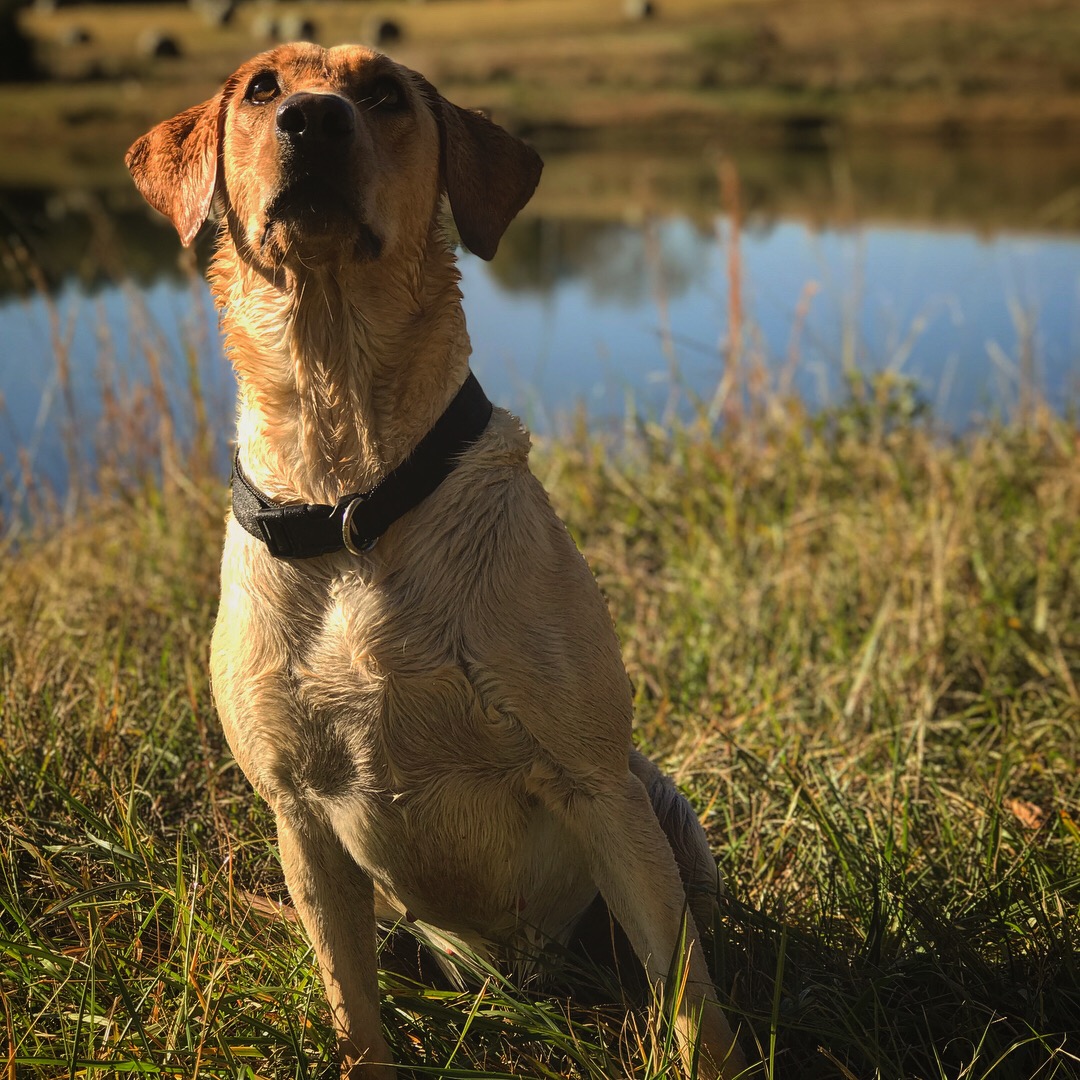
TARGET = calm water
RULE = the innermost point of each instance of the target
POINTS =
(954, 311)
(594, 311)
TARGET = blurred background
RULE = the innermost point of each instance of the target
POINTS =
(800, 193)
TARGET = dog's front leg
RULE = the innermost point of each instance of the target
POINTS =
(335, 900)
(635, 870)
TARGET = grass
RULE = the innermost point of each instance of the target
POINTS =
(856, 644)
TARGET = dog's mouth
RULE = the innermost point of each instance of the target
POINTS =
(311, 215)
(312, 204)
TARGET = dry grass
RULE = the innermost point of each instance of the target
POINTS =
(855, 643)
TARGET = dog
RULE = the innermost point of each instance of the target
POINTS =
(412, 662)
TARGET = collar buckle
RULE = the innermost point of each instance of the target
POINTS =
(357, 546)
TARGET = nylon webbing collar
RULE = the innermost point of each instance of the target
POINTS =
(356, 521)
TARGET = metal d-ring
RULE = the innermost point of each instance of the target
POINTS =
(346, 529)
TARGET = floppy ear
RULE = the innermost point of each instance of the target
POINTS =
(174, 165)
(489, 175)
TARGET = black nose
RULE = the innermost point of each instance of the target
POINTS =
(315, 119)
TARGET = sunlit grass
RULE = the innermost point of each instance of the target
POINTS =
(856, 644)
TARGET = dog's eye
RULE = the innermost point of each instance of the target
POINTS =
(385, 94)
(263, 88)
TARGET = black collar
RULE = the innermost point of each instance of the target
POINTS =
(356, 521)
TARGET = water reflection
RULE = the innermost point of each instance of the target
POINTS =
(105, 233)
(92, 238)
(959, 314)
(614, 286)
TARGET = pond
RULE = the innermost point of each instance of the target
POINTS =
(633, 282)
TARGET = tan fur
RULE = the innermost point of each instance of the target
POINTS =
(442, 726)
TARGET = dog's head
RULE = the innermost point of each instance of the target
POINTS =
(317, 154)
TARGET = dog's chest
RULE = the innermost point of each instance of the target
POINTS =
(385, 737)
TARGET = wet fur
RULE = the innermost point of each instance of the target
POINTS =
(442, 726)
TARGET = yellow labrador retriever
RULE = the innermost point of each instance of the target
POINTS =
(412, 662)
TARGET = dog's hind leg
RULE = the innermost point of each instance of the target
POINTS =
(635, 869)
(687, 838)
(599, 938)
(335, 901)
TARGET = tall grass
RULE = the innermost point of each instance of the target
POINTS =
(854, 642)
